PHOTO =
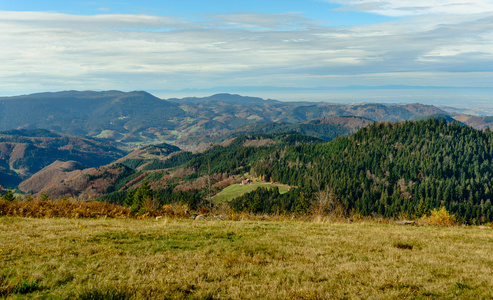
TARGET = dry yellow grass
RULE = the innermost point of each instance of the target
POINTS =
(184, 259)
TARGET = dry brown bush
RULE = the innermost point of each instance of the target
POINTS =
(62, 209)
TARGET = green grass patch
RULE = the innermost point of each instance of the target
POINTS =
(254, 117)
(236, 190)
(109, 133)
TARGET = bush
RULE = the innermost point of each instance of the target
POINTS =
(62, 209)
(441, 217)
(9, 196)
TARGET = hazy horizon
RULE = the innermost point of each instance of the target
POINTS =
(478, 101)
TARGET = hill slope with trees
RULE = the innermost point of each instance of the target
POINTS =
(26, 151)
(392, 169)
(323, 128)
(388, 169)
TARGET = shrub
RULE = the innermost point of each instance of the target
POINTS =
(9, 196)
(441, 217)
(62, 209)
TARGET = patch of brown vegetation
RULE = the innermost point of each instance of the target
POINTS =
(217, 182)
(60, 181)
(51, 175)
(227, 142)
(62, 209)
(133, 181)
(74, 209)
(17, 152)
(477, 122)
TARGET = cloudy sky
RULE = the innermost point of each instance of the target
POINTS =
(289, 49)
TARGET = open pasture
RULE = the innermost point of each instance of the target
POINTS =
(186, 259)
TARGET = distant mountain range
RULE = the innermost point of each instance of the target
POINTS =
(136, 118)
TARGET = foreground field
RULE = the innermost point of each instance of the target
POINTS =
(170, 258)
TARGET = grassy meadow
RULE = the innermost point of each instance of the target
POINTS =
(186, 259)
(236, 190)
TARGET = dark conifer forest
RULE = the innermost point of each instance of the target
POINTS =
(387, 169)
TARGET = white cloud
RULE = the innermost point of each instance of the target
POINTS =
(51, 51)
(399, 8)
(270, 21)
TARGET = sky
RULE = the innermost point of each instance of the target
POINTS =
(429, 51)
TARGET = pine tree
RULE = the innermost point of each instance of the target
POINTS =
(129, 199)
(142, 193)
(420, 209)
(9, 196)
(303, 205)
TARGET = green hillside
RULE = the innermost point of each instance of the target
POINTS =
(236, 190)
(387, 169)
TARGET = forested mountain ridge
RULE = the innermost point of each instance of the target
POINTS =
(159, 165)
(322, 128)
(389, 168)
(133, 118)
(397, 168)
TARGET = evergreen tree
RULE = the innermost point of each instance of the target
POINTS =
(143, 192)
(9, 196)
(129, 198)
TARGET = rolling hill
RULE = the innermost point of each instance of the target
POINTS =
(156, 163)
(323, 128)
(139, 118)
(128, 116)
(27, 151)
(387, 169)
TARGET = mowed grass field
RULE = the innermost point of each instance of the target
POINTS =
(186, 259)
(236, 190)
